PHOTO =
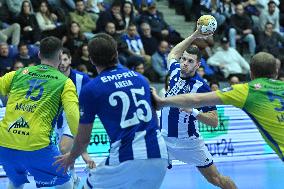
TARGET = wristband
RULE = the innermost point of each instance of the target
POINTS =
(195, 112)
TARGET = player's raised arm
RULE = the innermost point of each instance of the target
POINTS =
(178, 50)
(5, 83)
(71, 106)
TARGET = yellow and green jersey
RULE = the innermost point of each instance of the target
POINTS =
(35, 96)
(263, 100)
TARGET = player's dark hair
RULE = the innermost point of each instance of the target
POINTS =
(49, 47)
(263, 65)
(195, 51)
(103, 50)
(67, 52)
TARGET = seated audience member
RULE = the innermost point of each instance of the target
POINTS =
(82, 17)
(134, 43)
(214, 85)
(48, 22)
(128, 14)
(150, 43)
(82, 62)
(160, 28)
(24, 55)
(159, 61)
(270, 15)
(233, 80)
(74, 39)
(270, 41)
(6, 61)
(17, 65)
(228, 60)
(122, 46)
(241, 29)
(113, 15)
(29, 27)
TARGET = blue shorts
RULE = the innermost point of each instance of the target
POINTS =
(17, 164)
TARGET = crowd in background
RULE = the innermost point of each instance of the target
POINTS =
(143, 36)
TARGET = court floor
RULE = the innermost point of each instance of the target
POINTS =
(253, 174)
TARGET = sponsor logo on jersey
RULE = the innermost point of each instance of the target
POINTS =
(257, 86)
(25, 71)
(33, 74)
(26, 107)
(18, 126)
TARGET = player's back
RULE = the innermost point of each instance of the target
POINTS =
(265, 105)
(32, 108)
(122, 100)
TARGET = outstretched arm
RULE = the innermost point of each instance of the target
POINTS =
(187, 100)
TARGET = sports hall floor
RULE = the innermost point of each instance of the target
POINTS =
(253, 174)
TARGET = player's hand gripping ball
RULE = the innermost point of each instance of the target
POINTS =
(207, 24)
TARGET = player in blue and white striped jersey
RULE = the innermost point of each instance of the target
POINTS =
(180, 126)
(64, 136)
(122, 100)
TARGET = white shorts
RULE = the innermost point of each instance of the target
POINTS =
(131, 174)
(190, 151)
(64, 130)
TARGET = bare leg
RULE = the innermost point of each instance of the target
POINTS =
(214, 177)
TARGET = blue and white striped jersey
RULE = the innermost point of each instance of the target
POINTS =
(79, 79)
(176, 123)
(122, 100)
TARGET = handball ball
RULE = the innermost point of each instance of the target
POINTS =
(207, 23)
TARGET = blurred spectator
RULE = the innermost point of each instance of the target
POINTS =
(159, 61)
(12, 31)
(241, 29)
(127, 13)
(159, 27)
(122, 46)
(227, 9)
(113, 15)
(270, 41)
(47, 22)
(150, 43)
(5, 14)
(74, 39)
(17, 65)
(214, 85)
(138, 67)
(6, 62)
(229, 61)
(29, 27)
(270, 15)
(233, 80)
(212, 7)
(83, 63)
(14, 6)
(95, 6)
(24, 56)
(134, 42)
(86, 21)
(163, 91)
(200, 71)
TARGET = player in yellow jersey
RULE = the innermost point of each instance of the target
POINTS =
(262, 99)
(36, 94)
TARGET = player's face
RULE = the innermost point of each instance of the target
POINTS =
(65, 63)
(188, 64)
